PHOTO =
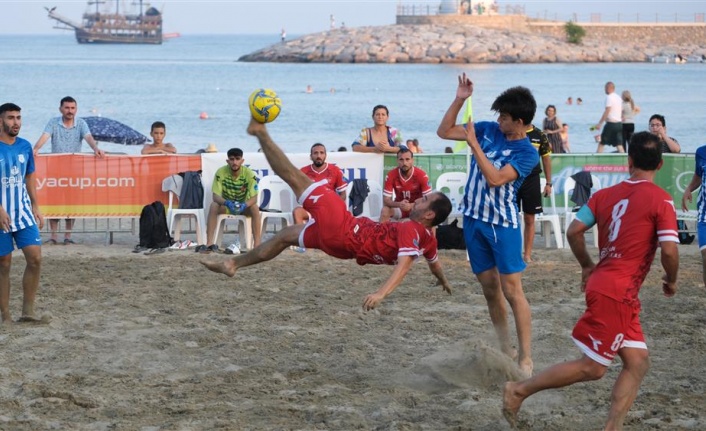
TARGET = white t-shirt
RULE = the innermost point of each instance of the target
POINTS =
(615, 103)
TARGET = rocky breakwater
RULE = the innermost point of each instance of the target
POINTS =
(451, 44)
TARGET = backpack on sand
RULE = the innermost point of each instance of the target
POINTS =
(154, 233)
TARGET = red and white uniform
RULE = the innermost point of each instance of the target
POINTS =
(331, 173)
(632, 217)
(409, 189)
(334, 230)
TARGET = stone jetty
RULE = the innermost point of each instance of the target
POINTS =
(433, 43)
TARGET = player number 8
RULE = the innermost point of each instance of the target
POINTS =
(618, 211)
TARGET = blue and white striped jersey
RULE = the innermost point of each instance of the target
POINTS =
(16, 162)
(701, 171)
(498, 205)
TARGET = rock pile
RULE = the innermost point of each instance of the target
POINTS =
(453, 44)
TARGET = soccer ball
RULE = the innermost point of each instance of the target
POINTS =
(264, 104)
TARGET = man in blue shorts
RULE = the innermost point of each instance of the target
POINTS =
(502, 158)
(697, 181)
(19, 224)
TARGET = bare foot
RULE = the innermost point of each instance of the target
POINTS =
(511, 404)
(32, 319)
(6, 321)
(526, 368)
(225, 267)
(511, 352)
(527, 258)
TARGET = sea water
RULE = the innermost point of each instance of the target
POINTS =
(189, 76)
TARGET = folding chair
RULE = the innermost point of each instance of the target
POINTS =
(276, 201)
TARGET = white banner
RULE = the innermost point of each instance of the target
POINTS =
(353, 165)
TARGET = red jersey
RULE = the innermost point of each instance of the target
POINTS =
(383, 243)
(410, 189)
(331, 173)
(334, 230)
(632, 217)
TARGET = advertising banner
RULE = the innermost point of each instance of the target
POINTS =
(75, 185)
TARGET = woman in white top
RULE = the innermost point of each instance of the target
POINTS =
(629, 112)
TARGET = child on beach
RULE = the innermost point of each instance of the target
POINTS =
(158, 132)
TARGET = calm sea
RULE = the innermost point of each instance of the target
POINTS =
(177, 81)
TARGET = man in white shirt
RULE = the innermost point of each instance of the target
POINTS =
(612, 133)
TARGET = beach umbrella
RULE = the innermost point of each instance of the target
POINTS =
(107, 130)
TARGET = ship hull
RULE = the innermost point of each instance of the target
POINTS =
(83, 36)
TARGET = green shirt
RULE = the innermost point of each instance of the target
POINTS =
(238, 189)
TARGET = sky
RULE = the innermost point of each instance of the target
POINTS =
(302, 17)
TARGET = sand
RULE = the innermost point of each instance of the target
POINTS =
(157, 342)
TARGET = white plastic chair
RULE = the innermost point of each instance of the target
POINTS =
(244, 224)
(372, 206)
(281, 201)
(172, 185)
(569, 214)
(549, 218)
(453, 185)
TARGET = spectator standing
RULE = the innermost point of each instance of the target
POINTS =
(20, 218)
(552, 128)
(612, 133)
(529, 197)
(67, 134)
(380, 138)
(413, 145)
(630, 109)
(158, 131)
(403, 186)
(658, 126)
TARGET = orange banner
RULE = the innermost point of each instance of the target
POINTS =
(76, 185)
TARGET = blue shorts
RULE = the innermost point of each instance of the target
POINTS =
(490, 246)
(23, 238)
(701, 229)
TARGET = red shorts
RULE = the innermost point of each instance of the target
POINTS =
(607, 326)
(329, 227)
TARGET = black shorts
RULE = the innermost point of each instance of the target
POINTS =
(529, 197)
(612, 134)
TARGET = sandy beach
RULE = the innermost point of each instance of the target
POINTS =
(137, 342)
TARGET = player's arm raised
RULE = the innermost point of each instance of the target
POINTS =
(404, 263)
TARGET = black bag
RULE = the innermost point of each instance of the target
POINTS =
(450, 237)
(153, 227)
(684, 236)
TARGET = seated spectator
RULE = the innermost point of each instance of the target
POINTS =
(319, 170)
(234, 192)
(407, 183)
(158, 132)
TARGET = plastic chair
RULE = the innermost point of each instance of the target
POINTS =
(276, 201)
(244, 224)
(173, 184)
(453, 185)
(372, 206)
(569, 214)
(549, 218)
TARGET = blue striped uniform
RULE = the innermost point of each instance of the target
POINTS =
(498, 205)
(701, 172)
(16, 162)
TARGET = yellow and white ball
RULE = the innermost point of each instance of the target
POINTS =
(264, 104)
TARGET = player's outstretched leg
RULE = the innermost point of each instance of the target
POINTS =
(267, 250)
(279, 162)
